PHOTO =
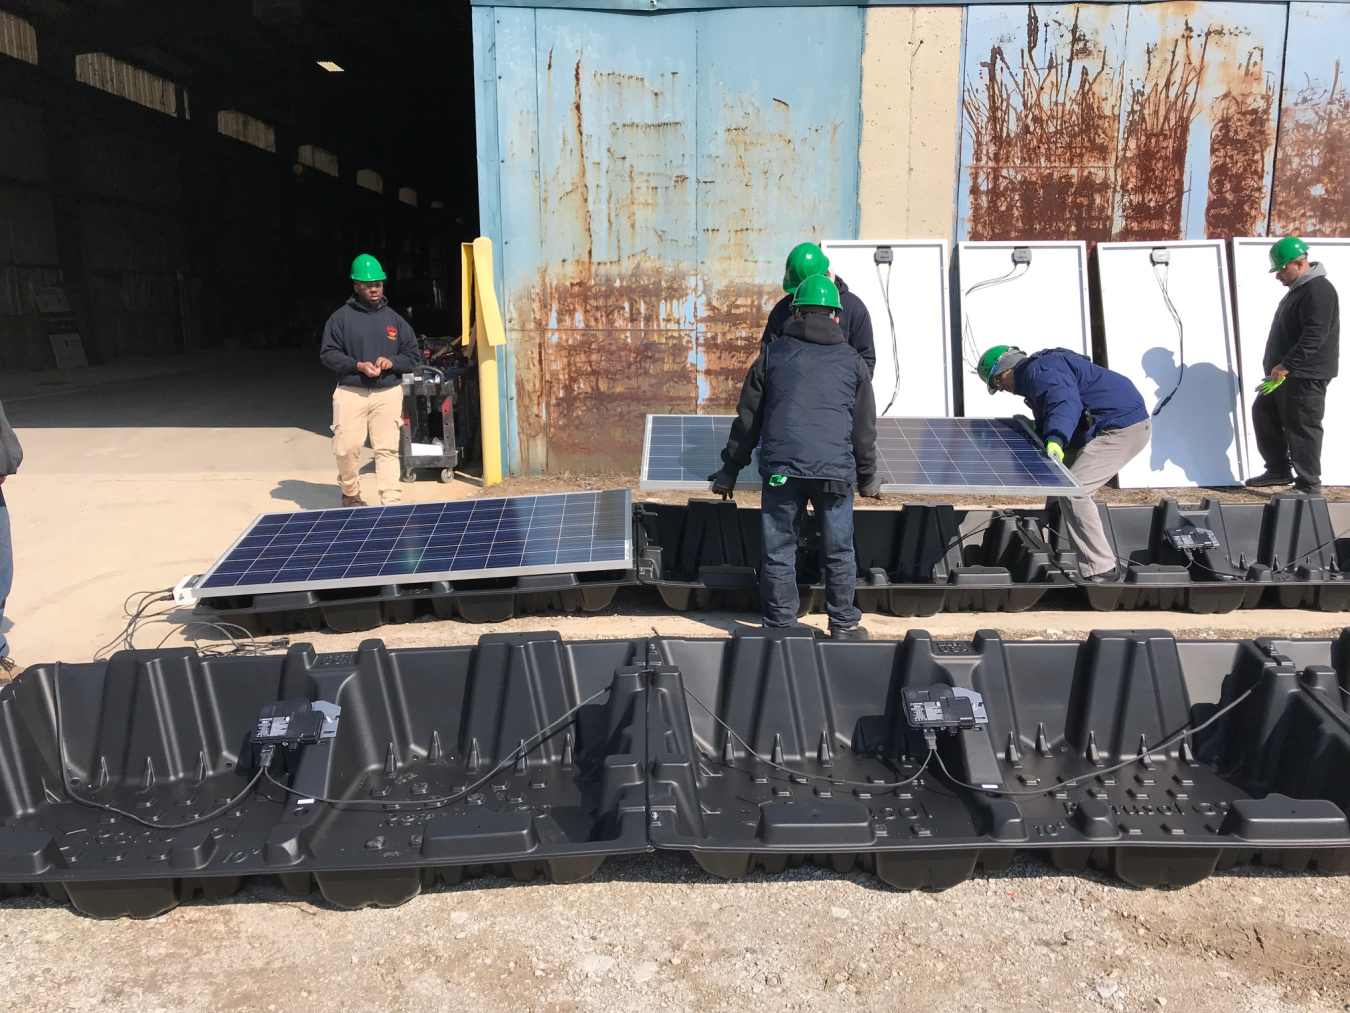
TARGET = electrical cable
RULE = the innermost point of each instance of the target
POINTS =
(890, 315)
(90, 803)
(1315, 549)
(1186, 730)
(883, 785)
(1162, 278)
(969, 349)
(420, 803)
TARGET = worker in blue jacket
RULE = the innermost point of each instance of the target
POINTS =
(1090, 418)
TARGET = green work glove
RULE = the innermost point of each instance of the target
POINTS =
(1268, 385)
(1054, 451)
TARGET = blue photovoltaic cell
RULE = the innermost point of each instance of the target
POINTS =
(913, 455)
(371, 545)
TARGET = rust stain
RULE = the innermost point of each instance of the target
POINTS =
(1044, 141)
(1157, 132)
(615, 345)
(730, 327)
(1240, 136)
(1312, 171)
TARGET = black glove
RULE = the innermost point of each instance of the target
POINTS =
(724, 482)
(871, 489)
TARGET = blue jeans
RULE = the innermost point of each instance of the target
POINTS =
(6, 573)
(781, 514)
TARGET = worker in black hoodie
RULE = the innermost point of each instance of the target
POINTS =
(807, 404)
(806, 260)
(370, 347)
(1303, 355)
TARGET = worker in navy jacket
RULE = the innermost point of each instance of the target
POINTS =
(1090, 418)
(807, 404)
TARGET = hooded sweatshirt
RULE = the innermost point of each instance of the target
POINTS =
(854, 319)
(1305, 335)
(357, 333)
(807, 403)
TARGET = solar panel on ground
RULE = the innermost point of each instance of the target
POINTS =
(458, 540)
(914, 455)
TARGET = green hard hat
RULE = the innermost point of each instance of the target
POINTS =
(1286, 249)
(816, 290)
(367, 268)
(987, 363)
(805, 260)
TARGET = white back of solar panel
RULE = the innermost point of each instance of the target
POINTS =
(1199, 438)
(1042, 305)
(913, 287)
(1258, 293)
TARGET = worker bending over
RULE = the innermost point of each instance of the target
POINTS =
(370, 347)
(1303, 355)
(807, 403)
(808, 260)
(1090, 418)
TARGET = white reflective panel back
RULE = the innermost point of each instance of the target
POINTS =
(1041, 305)
(1199, 438)
(1258, 293)
(914, 289)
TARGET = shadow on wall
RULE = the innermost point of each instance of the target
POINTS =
(1195, 430)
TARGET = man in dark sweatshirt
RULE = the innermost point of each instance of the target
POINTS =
(370, 347)
(805, 261)
(807, 404)
(1303, 355)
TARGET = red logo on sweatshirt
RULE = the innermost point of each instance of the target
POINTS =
(392, 332)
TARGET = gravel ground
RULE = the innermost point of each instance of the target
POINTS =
(654, 933)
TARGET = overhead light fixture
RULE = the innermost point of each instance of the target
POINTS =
(330, 66)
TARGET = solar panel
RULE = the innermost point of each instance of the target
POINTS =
(459, 540)
(914, 455)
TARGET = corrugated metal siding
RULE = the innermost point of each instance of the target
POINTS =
(652, 175)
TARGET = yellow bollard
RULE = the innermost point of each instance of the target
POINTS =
(478, 302)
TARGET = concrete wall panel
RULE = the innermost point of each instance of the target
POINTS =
(911, 88)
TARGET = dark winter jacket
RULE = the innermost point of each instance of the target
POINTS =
(807, 403)
(1305, 335)
(1073, 398)
(356, 333)
(11, 454)
(853, 318)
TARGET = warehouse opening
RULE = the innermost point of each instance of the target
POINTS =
(183, 182)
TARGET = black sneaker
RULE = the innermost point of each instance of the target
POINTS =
(1308, 490)
(1267, 479)
(848, 633)
(1109, 577)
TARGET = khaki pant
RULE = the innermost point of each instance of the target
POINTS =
(1095, 465)
(358, 412)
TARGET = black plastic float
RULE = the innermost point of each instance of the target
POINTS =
(128, 785)
(920, 559)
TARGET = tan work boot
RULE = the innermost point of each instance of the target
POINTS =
(348, 501)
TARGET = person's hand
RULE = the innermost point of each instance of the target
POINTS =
(1279, 372)
(723, 483)
(871, 490)
(1054, 451)
(369, 369)
(1269, 384)
(382, 364)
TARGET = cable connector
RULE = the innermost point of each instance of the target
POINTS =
(1159, 255)
(1021, 255)
(883, 255)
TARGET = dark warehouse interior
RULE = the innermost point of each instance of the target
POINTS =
(184, 176)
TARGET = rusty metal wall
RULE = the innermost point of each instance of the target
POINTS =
(651, 174)
(1119, 122)
(643, 177)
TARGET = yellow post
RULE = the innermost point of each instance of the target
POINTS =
(488, 334)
